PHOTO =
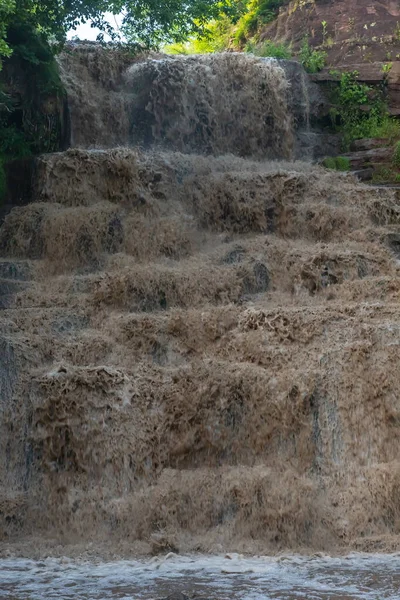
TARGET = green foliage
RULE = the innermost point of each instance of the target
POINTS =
(236, 27)
(324, 29)
(24, 128)
(311, 59)
(386, 174)
(387, 127)
(145, 22)
(256, 14)
(361, 112)
(396, 155)
(342, 163)
(3, 183)
(270, 49)
(31, 47)
(329, 162)
(386, 68)
(396, 33)
(216, 38)
(151, 22)
(13, 142)
(7, 8)
(338, 163)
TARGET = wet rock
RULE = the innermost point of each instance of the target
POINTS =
(8, 371)
(393, 240)
(362, 268)
(327, 277)
(364, 174)
(115, 235)
(8, 289)
(261, 277)
(306, 99)
(162, 544)
(176, 596)
(69, 324)
(16, 270)
(258, 282)
(159, 354)
(313, 145)
(234, 256)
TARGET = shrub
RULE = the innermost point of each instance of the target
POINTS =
(396, 155)
(270, 49)
(361, 111)
(259, 12)
(342, 163)
(386, 175)
(329, 162)
(312, 60)
(338, 163)
(216, 38)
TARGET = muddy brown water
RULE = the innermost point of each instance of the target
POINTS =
(199, 351)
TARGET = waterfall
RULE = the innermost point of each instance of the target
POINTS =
(215, 104)
(199, 335)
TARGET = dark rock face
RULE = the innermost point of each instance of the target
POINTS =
(393, 240)
(307, 102)
(8, 371)
(39, 106)
(20, 174)
(309, 105)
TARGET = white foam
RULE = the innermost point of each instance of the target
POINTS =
(357, 576)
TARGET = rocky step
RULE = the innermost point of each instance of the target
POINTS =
(367, 144)
(363, 159)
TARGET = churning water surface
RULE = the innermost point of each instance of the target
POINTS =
(356, 576)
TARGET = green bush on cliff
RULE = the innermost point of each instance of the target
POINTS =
(361, 111)
(338, 163)
(311, 59)
(270, 49)
(256, 14)
(396, 155)
(342, 163)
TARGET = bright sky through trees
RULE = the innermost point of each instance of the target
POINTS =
(86, 32)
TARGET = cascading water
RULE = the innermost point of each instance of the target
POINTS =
(212, 104)
(199, 349)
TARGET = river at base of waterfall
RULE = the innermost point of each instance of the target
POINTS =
(286, 577)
